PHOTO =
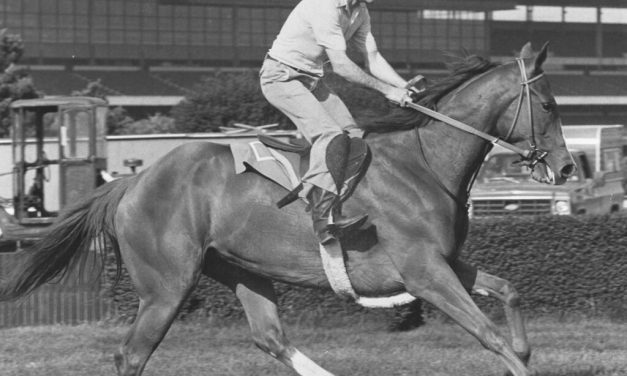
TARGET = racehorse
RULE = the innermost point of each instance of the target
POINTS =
(191, 214)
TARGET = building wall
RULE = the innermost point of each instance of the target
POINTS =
(90, 31)
(567, 39)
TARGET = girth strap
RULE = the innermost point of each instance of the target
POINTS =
(333, 262)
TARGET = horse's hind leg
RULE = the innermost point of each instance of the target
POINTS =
(162, 282)
(487, 284)
(260, 304)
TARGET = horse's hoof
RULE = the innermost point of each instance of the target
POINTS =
(531, 373)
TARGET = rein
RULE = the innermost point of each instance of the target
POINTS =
(530, 157)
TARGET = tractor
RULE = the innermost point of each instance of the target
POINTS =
(58, 156)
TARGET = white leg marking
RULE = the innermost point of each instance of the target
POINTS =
(305, 366)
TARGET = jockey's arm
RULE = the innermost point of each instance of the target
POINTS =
(381, 69)
(377, 65)
(347, 69)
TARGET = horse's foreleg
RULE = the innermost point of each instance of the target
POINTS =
(260, 304)
(438, 284)
(486, 284)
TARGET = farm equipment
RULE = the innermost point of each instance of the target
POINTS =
(59, 151)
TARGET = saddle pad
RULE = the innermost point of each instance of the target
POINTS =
(280, 167)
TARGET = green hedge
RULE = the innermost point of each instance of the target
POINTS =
(222, 99)
(559, 265)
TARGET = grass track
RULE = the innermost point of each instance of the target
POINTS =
(586, 348)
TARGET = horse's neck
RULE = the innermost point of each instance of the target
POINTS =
(450, 154)
(455, 155)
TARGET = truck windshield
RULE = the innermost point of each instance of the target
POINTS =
(503, 167)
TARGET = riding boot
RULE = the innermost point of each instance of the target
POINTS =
(322, 203)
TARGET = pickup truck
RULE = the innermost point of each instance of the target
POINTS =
(504, 187)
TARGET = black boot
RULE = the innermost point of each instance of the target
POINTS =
(322, 203)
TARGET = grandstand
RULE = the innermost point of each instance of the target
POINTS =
(159, 49)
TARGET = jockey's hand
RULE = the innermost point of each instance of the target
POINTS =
(399, 96)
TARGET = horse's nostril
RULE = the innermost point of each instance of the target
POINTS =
(568, 170)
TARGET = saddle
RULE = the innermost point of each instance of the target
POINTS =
(285, 163)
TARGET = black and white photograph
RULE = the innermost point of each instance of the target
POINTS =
(313, 187)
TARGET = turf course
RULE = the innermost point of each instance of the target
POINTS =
(582, 348)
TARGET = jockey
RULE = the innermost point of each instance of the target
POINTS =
(317, 30)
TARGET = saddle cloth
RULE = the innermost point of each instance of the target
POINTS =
(282, 167)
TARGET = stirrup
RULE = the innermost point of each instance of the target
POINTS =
(346, 225)
(337, 230)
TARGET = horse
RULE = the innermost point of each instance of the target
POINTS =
(190, 214)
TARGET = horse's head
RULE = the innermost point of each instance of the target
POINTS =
(533, 123)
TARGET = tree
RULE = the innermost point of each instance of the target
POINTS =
(15, 83)
(157, 123)
(224, 99)
(117, 118)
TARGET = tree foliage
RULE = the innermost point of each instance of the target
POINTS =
(224, 99)
(93, 89)
(227, 98)
(15, 83)
(117, 118)
(154, 124)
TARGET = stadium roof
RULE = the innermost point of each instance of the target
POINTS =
(476, 5)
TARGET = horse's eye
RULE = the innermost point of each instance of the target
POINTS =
(549, 106)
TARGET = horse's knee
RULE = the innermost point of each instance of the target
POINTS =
(271, 340)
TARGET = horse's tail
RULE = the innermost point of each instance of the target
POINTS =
(90, 221)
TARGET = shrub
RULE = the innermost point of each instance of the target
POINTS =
(154, 124)
(227, 98)
(559, 265)
(223, 99)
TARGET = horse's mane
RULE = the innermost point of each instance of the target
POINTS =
(462, 69)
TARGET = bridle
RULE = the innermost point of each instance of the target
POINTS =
(535, 155)
(530, 157)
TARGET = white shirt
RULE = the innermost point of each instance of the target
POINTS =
(316, 25)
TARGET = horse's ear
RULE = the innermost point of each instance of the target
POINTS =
(541, 58)
(527, 51)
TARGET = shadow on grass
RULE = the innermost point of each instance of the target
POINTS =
(595, 371)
